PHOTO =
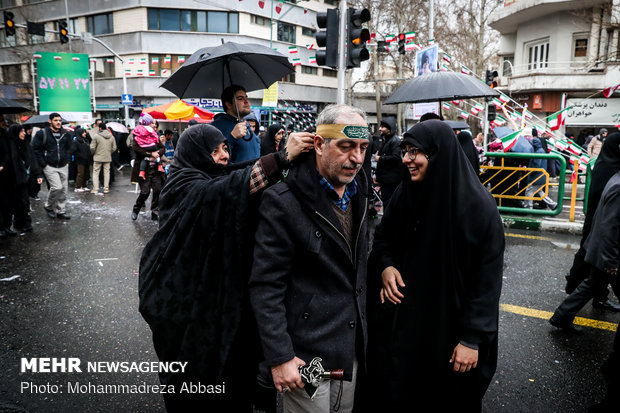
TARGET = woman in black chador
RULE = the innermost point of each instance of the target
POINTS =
(194, 271)
(436, 274)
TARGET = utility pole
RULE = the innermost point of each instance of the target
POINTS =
(342, 61)
(67, 19)
(431, 18)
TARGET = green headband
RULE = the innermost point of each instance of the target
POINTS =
(340, 131)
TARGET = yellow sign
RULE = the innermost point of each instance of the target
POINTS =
(270, 96)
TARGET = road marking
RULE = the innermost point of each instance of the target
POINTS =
(105, 259)
(546, 315)
(509, 234)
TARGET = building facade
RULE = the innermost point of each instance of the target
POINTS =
(155, 37)
(556, 53)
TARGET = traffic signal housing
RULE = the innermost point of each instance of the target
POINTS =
(327, 38)
(491, 112)
(9, 23)
(401, 43)
(63, 33)
(490, 78)
(357, 36)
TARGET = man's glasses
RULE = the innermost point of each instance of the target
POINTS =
(413, 152)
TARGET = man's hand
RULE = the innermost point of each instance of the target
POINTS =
(39, 181)
(286, 375)
(297, 143)
(240, 130)
(1, 168)
(391, 280)
(612, 271)
(377, 158)
(464, 358)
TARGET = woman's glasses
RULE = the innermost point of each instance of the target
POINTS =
(412, 152)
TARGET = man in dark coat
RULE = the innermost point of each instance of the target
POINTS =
(153, 181)
(389, 167)
(194, 271)
(53, 147)
(308, 283)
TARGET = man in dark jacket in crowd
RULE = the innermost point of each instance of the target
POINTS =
(308, 286)
(389, 165)
(243, 143)
(53, 148)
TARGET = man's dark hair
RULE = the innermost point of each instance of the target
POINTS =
(429, 116)
(103, 126)
(228, 94)
(168, 132)
(54, 115)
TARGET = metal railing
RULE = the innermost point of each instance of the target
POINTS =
(510, 182)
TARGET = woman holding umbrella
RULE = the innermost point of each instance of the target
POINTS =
(437, 279)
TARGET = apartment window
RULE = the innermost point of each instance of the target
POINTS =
(307, 31)
(507, 64)
(330, 73)
(7, 3)
(165, 64)
(12, 74)
(332, 2)
(260, 20)
(286, 32)
(5, 41)
(74, 27)
(580, 48)
(193, 21)
(309, 70)
(538, 55)
(288, 78)
(100, 24)
(104, 67)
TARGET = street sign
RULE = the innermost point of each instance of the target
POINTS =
(127, 99)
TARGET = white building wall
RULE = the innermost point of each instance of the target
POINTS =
(130, 20)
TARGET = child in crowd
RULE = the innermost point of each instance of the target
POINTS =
(146, 137)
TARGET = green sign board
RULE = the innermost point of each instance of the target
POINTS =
(64, 85)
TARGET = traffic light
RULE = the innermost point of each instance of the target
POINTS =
(382, 46)
(491, 112)
(9, 23)
(327, 38)
(490, 78)
(357, 37)
(63, 33)
(401, 43)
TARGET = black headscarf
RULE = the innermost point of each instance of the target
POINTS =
(268, 145)
(194, 150)
(445, 236)
(606, 165)
(467, 144)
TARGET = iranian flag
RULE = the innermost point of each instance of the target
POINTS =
(312, 59)
(155, 60)
(132, 61)
(447, 57)
(504, 98)
(527, 115)
(474, 111)
(610, 90)
(279, 6)
(390, 38)
(456, 102)
(479, 106)
(292, 49)
(181, 59)
(444, 68)
(310, 46)
(509, 141)
(75, 59)
(410, 46)
(498, 103)
(431, 41)
(128, 72)
(109, 60)
(296, 62)
(464, 114)
(445, 106)
(167, 59)
(574, 149)
(561, 144)
(37, 56)
(92, 60)
(140, 73)
(500, 120)
(465, 70)
(584, 158)
(57, 58)
(143, 60)
(409, 36)
(261, 4)
(558, 119)
(151, 73)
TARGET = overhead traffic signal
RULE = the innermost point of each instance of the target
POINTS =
(490, 78)
(327, 38)
(63, 33)
(9, 23)
(491, 112)
(401, 43)
(357, 36)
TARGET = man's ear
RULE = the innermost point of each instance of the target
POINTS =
(319, 144)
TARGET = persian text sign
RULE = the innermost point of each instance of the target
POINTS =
(593, 112)
(63, 85)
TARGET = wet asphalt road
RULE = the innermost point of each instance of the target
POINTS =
(76, 296)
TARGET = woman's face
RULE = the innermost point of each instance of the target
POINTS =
(416, 162)
(22, 134)
(220, 154)
(279, 135)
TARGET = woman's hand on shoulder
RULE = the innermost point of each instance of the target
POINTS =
(391, 281)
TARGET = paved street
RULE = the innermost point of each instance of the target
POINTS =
(76, 296)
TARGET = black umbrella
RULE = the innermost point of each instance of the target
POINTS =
(41, 121)
(440, 86)
(457, 124)
(10, 106)
(210, 70)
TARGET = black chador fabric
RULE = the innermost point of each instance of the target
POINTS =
(467, 144)
(195, 269)
(268, 144)
(446, 238)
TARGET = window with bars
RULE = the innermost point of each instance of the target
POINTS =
(538, 55)
(193, 20)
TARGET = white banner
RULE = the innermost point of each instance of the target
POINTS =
(593, 112)
(416, 110)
